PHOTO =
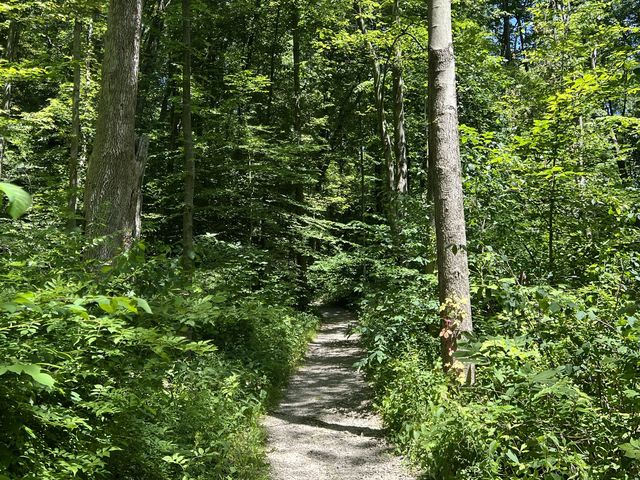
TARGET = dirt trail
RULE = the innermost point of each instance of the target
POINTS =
(323, 429)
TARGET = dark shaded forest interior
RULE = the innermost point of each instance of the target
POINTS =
(184, 182)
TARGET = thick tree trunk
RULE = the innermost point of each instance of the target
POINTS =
(189, 159)
(400, 139)
(113, 176)
(446, 172)
(74, 154)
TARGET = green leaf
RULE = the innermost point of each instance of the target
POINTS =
(34, 371)
(38, 375)
(142, 303)
(19, 200)
(43, 379)
(554, 307)
(631, 449)
(513, 457)
(106, 306)
(546, 377)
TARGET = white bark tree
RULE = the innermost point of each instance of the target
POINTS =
(446, 175)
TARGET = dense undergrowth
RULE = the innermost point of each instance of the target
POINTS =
(557, 393)
(133, 372)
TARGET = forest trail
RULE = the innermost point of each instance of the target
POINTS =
(323, 428)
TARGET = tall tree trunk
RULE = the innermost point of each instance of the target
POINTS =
(189, 160)
(74, 154)
(142, 151)
(88, 56)
(297, 117)
(400, 139)
(506, 32)
(253, 29)
(446, 172)
(149, 58)
(550, 224)
(383, 129)
(113, 176)
(272, 61)
(13, 38)
(301, 258)
(11, 53)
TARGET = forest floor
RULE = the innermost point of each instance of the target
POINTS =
(324, 428)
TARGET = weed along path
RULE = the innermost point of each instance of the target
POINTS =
(323, 428)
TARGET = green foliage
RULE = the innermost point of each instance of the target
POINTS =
(135, 370)
(97, 379)
(556, 393)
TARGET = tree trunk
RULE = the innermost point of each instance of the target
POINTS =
(74, 154)
(189, 160)
(113, 176)
(150, 43)
(506, 32)
(301, 259)
(11, 56)
(11, 53)
(551, 226)
(383, 129)
(446, 172)
(87, 52)
(272, 62)
(297, 126)
(400, 140)
(142, 152)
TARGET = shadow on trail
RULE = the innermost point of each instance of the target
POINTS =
(323, 428)
(315, 422)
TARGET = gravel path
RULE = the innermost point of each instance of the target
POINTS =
(323, 429)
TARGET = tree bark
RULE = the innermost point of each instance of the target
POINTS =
(506, 32)
(142, 152)
(551, 223)
(113, 175)
(297, 125)
(301, 259)
(189, 158)
(74, 154)
(11, 54)
(272, 61)
(400, 139)
(150, 43)
(383, 129)
(446, 173)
